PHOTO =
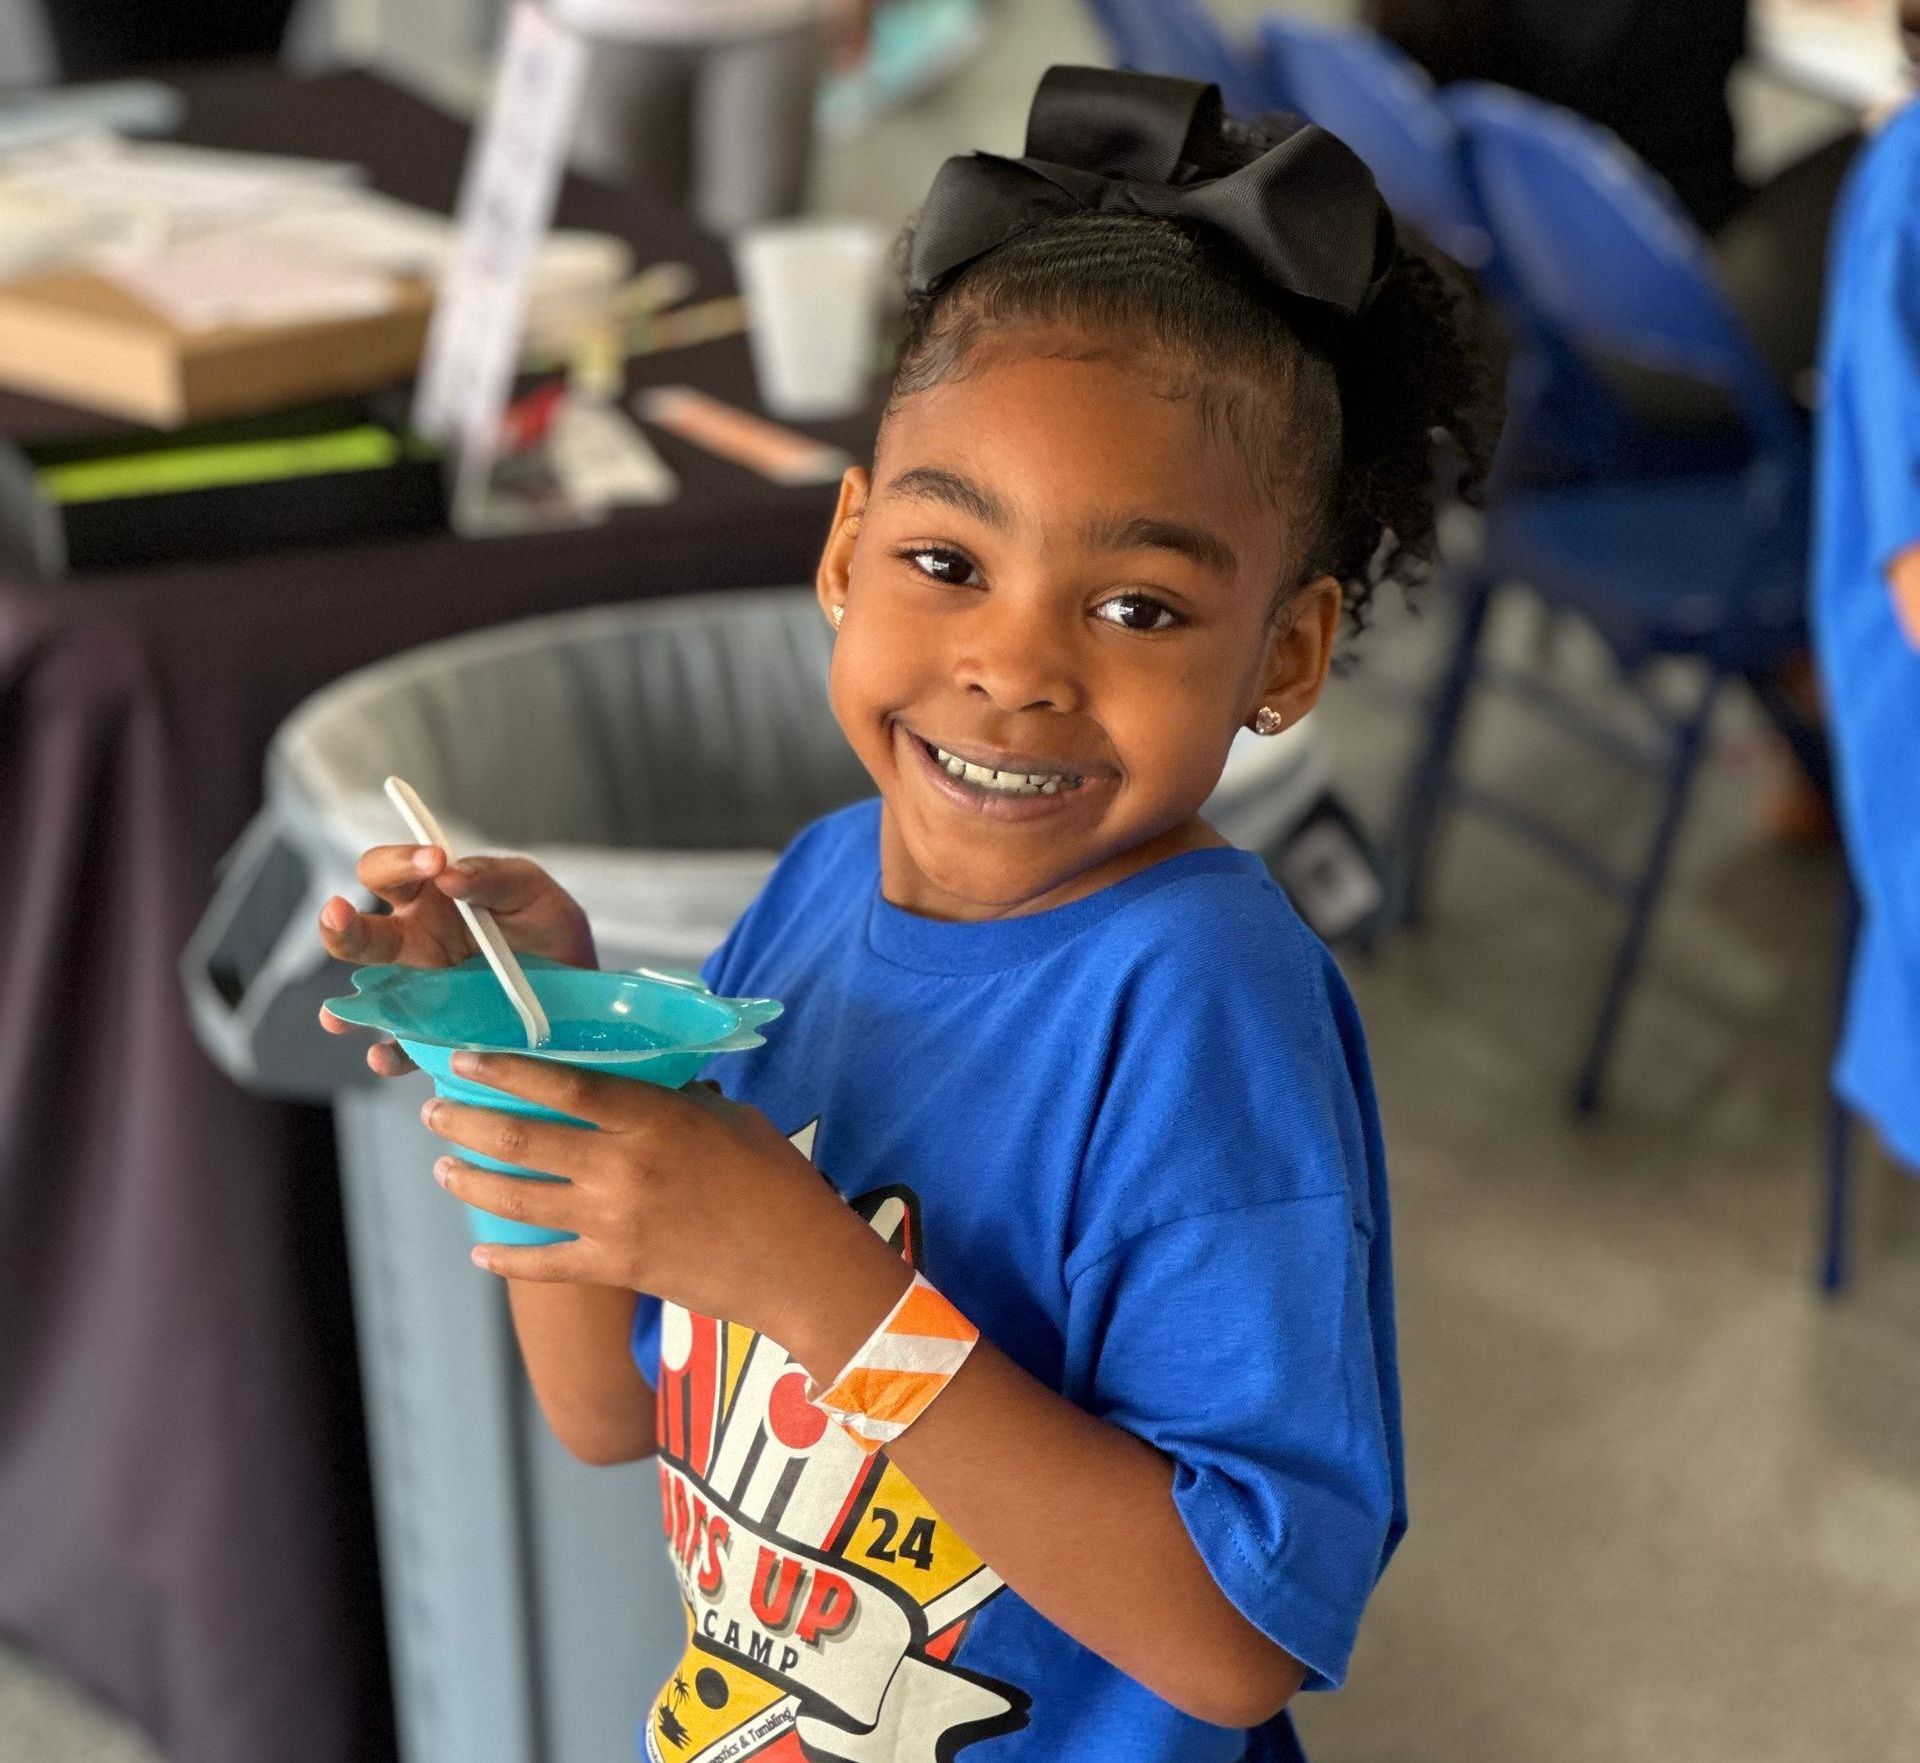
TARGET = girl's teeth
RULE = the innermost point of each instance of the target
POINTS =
(1012, 783)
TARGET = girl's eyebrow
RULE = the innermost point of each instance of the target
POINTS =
(1113, 532)
(933, 483)
(1146, 532)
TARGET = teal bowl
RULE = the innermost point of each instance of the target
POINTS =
(652, 1026)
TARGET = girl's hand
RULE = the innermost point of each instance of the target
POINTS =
(1903, 576)
(423, 929)
(679, 1193)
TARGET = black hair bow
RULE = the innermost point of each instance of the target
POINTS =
(1306, 214)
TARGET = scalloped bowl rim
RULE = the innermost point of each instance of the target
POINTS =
(362, 1010)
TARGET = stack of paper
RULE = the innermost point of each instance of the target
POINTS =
(97, 198)
(202, 284)
(38, 228)
(361, 227)
(169, 283)
(160, 191)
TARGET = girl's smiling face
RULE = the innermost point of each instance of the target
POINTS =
(1061, 582)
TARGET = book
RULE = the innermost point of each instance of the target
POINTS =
(81, 338)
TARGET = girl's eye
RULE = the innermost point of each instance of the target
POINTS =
(949, 568)
(1137, 612)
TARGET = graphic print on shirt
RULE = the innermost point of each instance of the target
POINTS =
(825, 1597)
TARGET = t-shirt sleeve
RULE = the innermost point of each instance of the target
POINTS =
(1242, 1345)
(1230, 1295)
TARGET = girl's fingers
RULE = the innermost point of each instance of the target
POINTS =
(501, 884)
(389, 1059)
(396, 872)
(544, 1145)
(585, 1095)
(363, 938)
(546, 1205)
(544, 1264)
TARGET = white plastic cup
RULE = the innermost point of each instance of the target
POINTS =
(812, 289)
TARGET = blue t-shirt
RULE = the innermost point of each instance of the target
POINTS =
(1134, 1140)
(1869, 512)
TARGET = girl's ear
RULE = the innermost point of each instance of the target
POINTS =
(835, 574)
(1299, 651)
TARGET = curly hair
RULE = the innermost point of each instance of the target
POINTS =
(1347, 432)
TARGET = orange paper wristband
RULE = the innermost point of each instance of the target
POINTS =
(907, 1361)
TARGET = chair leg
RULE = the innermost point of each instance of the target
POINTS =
(1835, 1260)
(1688, 743)
(1836, 1271)
(1426, 787)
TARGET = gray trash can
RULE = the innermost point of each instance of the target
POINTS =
(654, 758)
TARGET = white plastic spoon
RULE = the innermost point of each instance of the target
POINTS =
(493, 944)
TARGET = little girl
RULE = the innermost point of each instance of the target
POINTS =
(1015, 1333)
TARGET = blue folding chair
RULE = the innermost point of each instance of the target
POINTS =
(1182, 37)
(1357, 85)
(1706, 564)
(1563, 420)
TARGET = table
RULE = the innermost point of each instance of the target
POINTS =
(1846, 51)
(183, 1493)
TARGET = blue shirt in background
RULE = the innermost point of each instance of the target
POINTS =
(1868, 513)
(1134, 1140)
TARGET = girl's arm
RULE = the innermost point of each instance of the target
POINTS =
(574, 1339)
(1075, 1514)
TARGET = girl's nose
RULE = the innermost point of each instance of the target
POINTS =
(1021, 658)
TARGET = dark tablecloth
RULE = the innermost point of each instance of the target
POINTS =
(184, 1510)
